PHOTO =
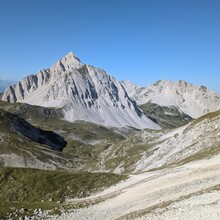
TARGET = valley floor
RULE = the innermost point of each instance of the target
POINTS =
(191, 191)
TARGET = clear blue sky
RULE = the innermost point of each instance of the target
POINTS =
(138, 40)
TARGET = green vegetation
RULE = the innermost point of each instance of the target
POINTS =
(32, 188)
(83, 70)
(206, 153)
(85, 141)
(208, 116)
(89, 146)
(126, 153)
(166, 117)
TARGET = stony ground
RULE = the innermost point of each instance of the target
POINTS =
(190, 191)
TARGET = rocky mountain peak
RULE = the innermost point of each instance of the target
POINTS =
(83, 92)
(71, 58)
(168, 83)
(67, 63)
(193, 100)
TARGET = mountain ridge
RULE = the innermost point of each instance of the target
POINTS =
(84, 92)
(88, 93)
(192, 100)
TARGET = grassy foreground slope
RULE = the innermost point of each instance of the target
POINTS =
(32, 188)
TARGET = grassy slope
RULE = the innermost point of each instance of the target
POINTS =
(125, 154)
(214, 148)
(22, 187)
(85, 141)
(28, 187)
(95, 147)
(92, 146)
(166, 117)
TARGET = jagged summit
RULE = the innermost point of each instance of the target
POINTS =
(130, 87)
(67, 63)
(178, 83)
(70, 55)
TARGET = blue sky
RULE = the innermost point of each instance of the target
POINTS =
(139, 40)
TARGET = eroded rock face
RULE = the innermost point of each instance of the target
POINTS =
(190, 99)
(83, 92)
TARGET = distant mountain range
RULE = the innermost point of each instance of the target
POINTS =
(87, 93)
(194, 101)
(4, 84)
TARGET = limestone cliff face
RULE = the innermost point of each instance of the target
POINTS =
(29, 84)
(84, 92)
(193, 100)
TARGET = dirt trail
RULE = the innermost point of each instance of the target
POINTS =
(162, 194)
